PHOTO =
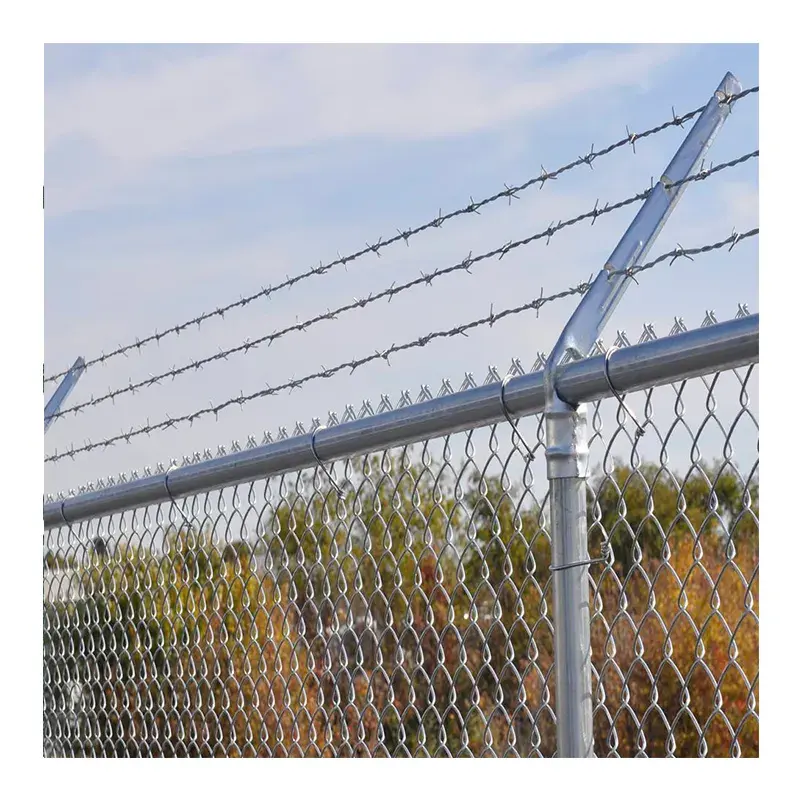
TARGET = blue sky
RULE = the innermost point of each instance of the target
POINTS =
(181, 177)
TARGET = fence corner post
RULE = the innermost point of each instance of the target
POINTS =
(566, 429)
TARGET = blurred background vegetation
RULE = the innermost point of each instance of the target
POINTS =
(410, 617)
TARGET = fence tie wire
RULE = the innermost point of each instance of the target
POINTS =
(326, 472)
(514, 427)
(606, 551)
(639, 428)
(172, 498)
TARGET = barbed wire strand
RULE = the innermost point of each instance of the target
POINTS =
(390, 292)
(510, 192)
(459, 330)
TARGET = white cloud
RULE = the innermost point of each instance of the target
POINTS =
(244, 98)
(741, 200)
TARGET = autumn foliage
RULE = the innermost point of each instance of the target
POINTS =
(412, 617)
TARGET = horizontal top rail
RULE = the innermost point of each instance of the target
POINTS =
(655, 363)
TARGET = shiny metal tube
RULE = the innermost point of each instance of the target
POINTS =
(662, 361)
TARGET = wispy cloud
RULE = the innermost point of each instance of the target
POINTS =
(741, 200)
(103, 129)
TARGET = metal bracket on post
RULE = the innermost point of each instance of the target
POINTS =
(62, 392)
(567, 451)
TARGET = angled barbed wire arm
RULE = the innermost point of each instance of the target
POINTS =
(567, 448)
(63, 391)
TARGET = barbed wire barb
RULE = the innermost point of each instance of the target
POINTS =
(632, 137)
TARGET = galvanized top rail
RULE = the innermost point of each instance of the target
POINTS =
(656, 363)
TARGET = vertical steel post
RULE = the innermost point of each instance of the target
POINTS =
(62, 392)
(567, 449)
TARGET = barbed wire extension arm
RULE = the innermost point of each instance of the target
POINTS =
(459, 330)
(390, 292)
(509, 192)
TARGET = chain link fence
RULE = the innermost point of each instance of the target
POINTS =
(399, 603)
(440, 578)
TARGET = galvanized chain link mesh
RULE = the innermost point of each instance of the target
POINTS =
(412, 615)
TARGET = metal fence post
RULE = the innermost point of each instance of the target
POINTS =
(567, 435)
(63, 391)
